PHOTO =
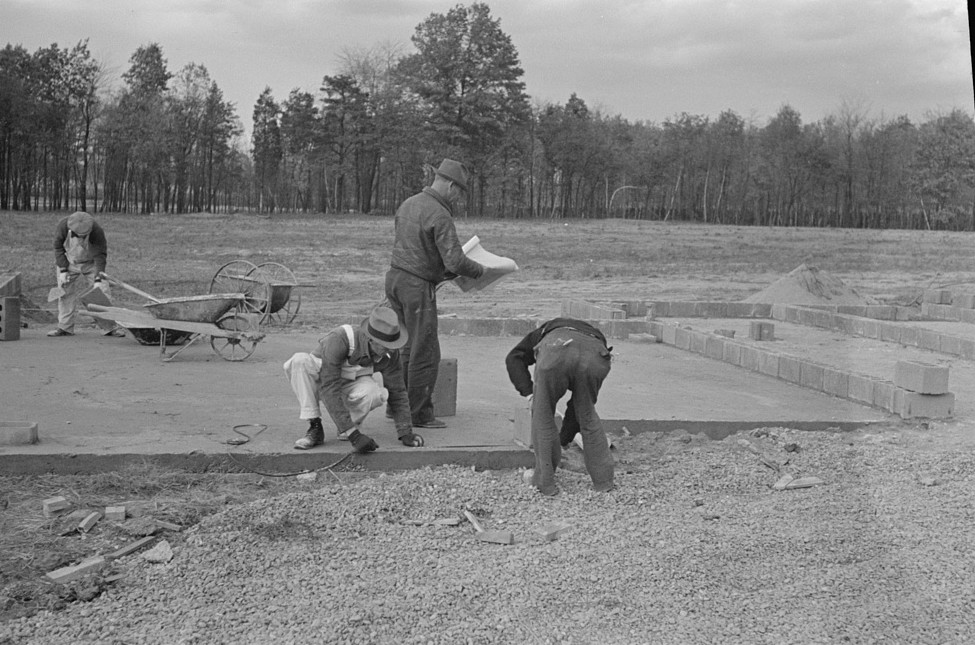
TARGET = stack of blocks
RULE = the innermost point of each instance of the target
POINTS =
(922, 390)
(10, 306)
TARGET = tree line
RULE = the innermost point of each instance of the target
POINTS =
(170, 142)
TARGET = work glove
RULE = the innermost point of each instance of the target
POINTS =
(62, 277)
(362, 443)
(102, 285)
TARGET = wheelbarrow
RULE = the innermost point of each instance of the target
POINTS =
(270, 289)
(233, 334)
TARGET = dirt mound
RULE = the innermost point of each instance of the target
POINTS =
(807, 285)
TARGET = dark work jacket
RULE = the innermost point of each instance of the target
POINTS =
(426, 240)
(522, 356)
(97, 245)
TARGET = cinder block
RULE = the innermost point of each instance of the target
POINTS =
(910, 405)
(779, 312)
(751, 359)
(445, 390)
(714, 347)
(683, 309)
(486, 327)
(54, 505)
(661, 308)
(960, 300)
(790, 369)
(10, 285)
(966, 348)
(10, 318)
(909, 336)
(115, 513)
(761, 330)
(890, 332)
(952, 344)
(871, 328)
(523, 425)
(924, 378)
(732, 353)
(836, 382)
(883, 395)
(17, 433)
(769, 363)
(682, 338)
(699, 342)
(67, 574)
(668, 334)
(811, 375)
(861, 388)
(937, 296)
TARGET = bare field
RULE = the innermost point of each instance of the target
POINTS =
(343, 259)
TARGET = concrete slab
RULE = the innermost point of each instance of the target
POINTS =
(101, 401)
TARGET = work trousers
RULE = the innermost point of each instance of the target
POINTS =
(360, 396)
(80, 279)
(568, 360)
(415, 302)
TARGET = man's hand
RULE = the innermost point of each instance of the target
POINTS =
(62, 277)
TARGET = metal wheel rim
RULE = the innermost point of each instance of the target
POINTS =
(234, 349)
(241, 276)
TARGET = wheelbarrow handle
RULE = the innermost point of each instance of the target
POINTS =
(128, 287)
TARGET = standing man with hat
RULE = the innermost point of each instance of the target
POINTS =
(80, 253)
(426, 252)
(353, 371)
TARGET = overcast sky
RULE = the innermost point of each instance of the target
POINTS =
(643, 59)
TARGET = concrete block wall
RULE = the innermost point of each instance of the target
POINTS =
(878, 329)
(948, 312)
(845, 384)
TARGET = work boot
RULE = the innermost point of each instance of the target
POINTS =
(430, 423)
(362, 443)
(314, 437)
(54, 333)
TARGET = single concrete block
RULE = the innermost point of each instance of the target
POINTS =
(966, 315)
(871, 328)
(911, 405)
(836, 382)
(661, 308)
(54, 505)
(890, 332)
(10, 318)
(790, 369)
(523, 425)
(10, 285)
(682, 338)
(712, 309)
(811, 375)
(727, 333)
(115, 513)
(17, 433)
(714, 347)
(67, 574)
(85, 525)
(633, 308)
(909, 336)
(861, 388)
(937, 296)
(552, 532)
(445, 390)
(929, 339)
(953, 345)
(751, 359)
(761, 330)
(923, 378)
(883, 395)
(960, 300)
(966, 348)
(732, 353)
(779, 312)
(769, 363)
(699, 342)
(668, 334)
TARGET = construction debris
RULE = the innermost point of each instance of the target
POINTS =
(85, 525)
(132, 547)
(160, 554)
(552, 532)
(496, 537)
(67, 574)
(54, 505)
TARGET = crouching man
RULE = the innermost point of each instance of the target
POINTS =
(353, 371)
(569, 356)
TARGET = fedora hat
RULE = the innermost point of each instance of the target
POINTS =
(80, 223)
(383, 326)
(453, 171)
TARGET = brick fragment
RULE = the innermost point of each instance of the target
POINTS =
(115, 513)
(90, 520)
(54, 505)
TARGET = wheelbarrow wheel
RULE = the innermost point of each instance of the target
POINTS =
(237, 347)
(285, 299)
(241, 276)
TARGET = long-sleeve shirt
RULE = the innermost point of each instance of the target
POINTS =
(96, 251)
(426, 242)
(333, 349)
(522, 356)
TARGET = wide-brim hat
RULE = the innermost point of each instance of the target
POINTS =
(80, 223)
(453, 171)
(383, 326)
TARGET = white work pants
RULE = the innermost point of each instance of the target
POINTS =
(80, 279)
(360, 396)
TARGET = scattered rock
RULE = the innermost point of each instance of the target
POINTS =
(160, 554)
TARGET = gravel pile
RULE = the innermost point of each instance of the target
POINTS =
(694, 546)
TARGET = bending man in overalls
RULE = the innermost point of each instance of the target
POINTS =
(569, 355)
(353, 371)
(80, 253)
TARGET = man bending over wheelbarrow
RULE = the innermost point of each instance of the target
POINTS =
(353, 371)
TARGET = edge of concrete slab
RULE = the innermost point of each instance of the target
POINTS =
(482, 457)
